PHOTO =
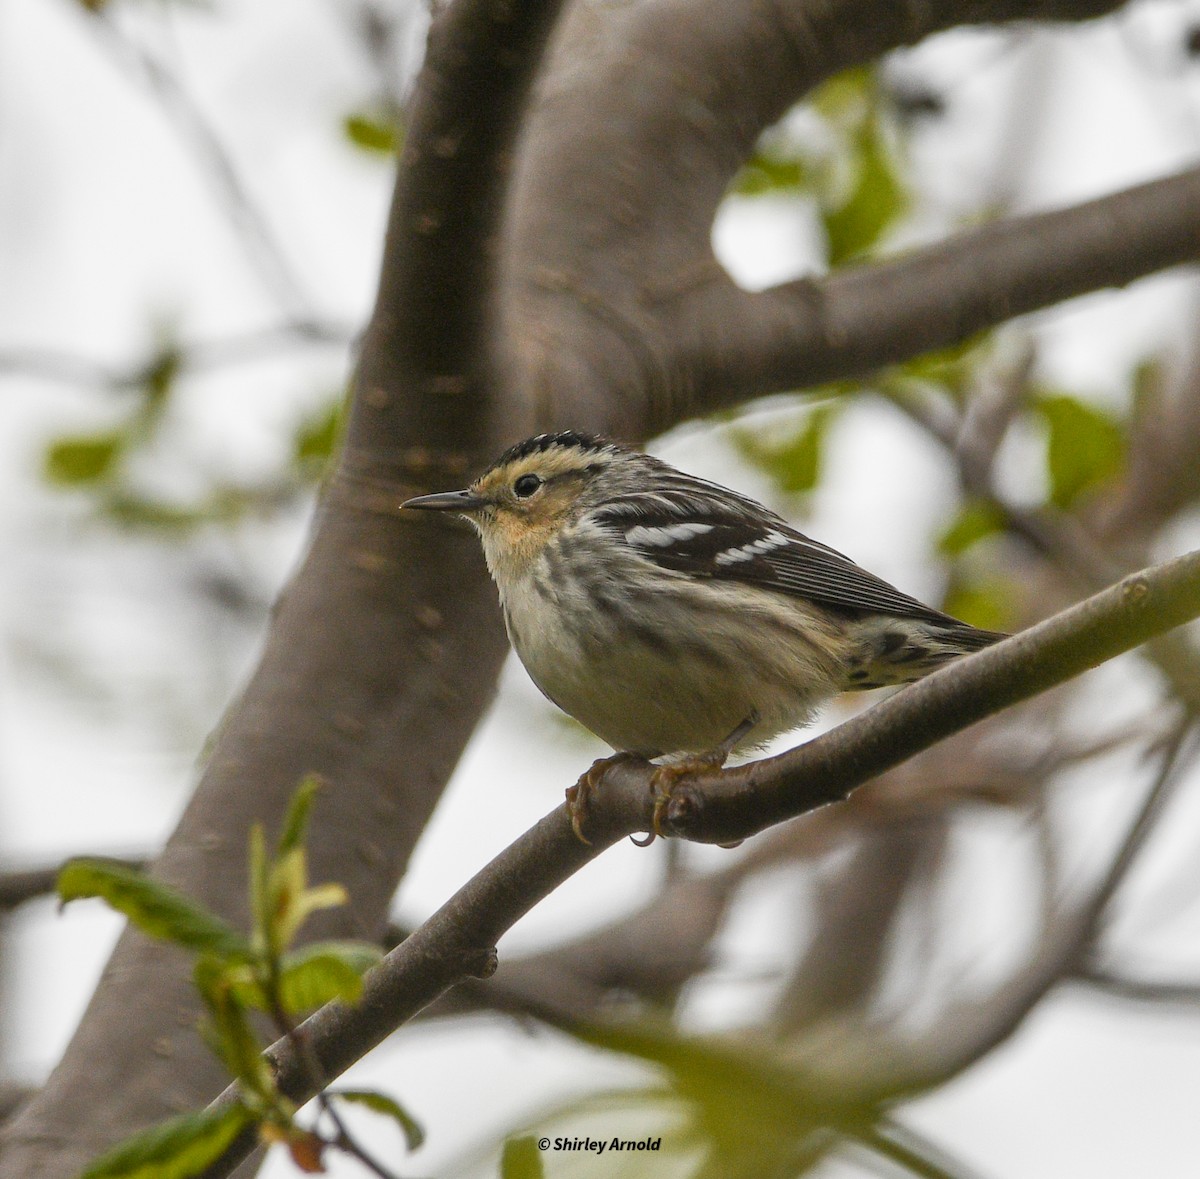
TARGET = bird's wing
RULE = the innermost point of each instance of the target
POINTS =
(727, 538)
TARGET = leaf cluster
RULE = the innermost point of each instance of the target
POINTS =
(240, 977)
(103, 463)
(854, 177)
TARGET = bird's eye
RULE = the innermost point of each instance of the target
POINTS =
(526, 486)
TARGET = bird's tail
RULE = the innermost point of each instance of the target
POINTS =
(890, 650)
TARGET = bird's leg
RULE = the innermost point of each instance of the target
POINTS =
(667, 777)
(579, 795)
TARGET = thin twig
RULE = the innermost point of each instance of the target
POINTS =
(911, 1151)
(1180, 992)
(197, 356)
(262, 247)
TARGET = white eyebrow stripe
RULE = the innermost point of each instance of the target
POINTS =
(663, 536)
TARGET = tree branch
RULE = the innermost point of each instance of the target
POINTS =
(735, 344)
(386, 644)
(1185, 993)
(719, 806)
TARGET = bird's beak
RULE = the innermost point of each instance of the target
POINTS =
(447, 501)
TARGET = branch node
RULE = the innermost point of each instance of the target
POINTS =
(481, 963)
(1135, 589)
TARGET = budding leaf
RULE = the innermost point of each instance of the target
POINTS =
(295, 824)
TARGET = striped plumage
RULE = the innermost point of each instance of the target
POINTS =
(661, 610)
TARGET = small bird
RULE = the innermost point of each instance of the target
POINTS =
(672, 616)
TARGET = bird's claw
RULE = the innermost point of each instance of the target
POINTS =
(667, 778)
(579, 796)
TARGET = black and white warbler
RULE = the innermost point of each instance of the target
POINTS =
(670, 615)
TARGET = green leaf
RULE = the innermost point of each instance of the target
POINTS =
(83, 458)
(954, 368)
(983, 604)
(320, 972)
(295, 823)
(1086, 446)
(372, 133)
(770, 172)
(155, 908)
(521, 1159)
(845, 96)
(875, 201)
(381, 1103)
(794, 464)
(976, 519)
(228, 1032)
(173, 1149)
(318, 436)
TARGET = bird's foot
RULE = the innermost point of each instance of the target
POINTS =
(667, 777)
(579, 796)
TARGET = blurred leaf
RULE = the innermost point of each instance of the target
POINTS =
(305, 1147)
(381, 1103)
(224, 505)
(307, 1151)
(160, 375)
(875, 201)
(372, 133)
(846, 95)
(83, 458)
(228, 1031)
(155, 908)
(982, 604)
(173, 1149)
(521, 1159)
(767, 171)
(975, 520)
(953, 368)
(1086, 446)
(318, 436)
(794, 464)
(320, 972)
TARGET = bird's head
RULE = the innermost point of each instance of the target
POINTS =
(529, 494)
